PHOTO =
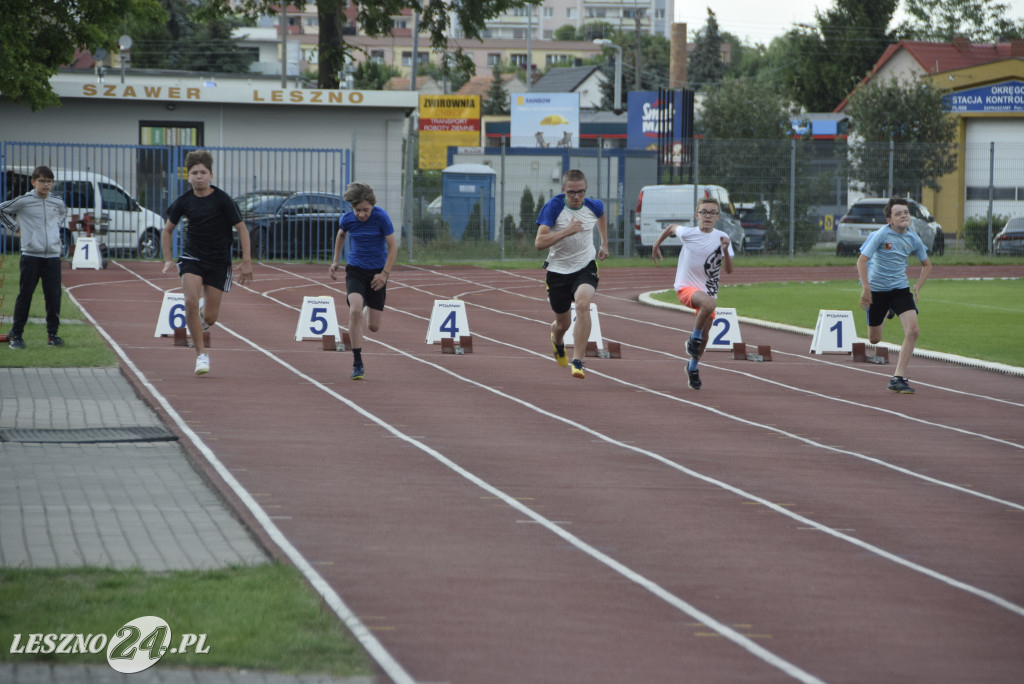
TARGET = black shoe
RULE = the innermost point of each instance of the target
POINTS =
(54, 341)
(693, 347)
(15, 342)
(693, 378)
(891, 314)
(357, 372)
(900, 385)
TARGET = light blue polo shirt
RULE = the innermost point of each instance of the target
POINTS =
(888, 253)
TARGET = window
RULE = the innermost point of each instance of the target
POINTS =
(377, 56)
(76, 194)
(570, 13)
(519, 60)
(401, 24)
(659, 14)
(114, 199)
(519, 34)
(595, 13)
(424, 57)
(493, 59)
(558, 60)
(549, 11)
(521, 12)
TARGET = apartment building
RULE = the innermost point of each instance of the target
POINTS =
(505, 38)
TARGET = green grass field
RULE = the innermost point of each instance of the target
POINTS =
(981, 319)
(262, 617)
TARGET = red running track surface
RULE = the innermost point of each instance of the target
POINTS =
(486, 518)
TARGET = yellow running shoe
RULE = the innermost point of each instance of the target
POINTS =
(560, 356)
(577, 369)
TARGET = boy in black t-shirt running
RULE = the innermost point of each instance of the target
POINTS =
(205, 261)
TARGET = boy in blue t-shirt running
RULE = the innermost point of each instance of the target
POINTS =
(882, 267)
(372, 254)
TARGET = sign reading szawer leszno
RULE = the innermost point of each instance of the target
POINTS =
(447, 120)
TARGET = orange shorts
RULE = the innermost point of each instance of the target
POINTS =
(685, 295)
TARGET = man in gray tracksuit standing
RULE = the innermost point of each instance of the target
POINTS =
(39, 217)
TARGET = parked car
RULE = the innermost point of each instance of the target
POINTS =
(867, 215)
(1010, 240)
(755, 219)
(659, 205)
(97, 206)
(291, 225)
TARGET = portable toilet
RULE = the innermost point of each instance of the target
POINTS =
(463, 186)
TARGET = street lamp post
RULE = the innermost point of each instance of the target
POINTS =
(604, 42)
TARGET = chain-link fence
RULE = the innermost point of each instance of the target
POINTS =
(787, 195)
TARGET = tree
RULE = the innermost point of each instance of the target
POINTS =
(496, 100)
(705, 64)
(376, 18)
(911, 116)
(654, 70)
(373, 75)
(748, 127)
(444, 73)
(37, 38)
(944, 20)
(186, 42)
(527, 218)
(827, 61)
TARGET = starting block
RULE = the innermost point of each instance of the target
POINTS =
(181, 338)
(613, 351)
(465, 345)
(740, 353)
(860, 354)
(330, 344)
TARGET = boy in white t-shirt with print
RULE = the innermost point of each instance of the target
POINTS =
(705, 251)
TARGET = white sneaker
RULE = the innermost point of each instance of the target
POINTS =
(202, 364)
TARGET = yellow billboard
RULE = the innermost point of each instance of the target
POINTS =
(447, 120)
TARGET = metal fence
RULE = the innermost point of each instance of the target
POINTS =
(485, 203)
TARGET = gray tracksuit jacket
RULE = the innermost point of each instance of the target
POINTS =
(40, 221)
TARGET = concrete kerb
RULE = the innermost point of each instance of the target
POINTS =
(648, 299)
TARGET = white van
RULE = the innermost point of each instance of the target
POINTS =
(659, 205)
(99, 206)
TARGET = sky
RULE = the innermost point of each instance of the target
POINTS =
(758, 21)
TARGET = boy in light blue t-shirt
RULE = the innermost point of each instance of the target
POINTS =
(882, 267)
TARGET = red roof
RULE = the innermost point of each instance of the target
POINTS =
(939, 57)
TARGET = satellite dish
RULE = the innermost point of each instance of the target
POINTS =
(125, 42)
(98, 54)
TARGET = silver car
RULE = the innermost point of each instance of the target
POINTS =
(1010, 240)
(867, 215)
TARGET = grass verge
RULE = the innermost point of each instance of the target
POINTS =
(980, 319)
(260, 617)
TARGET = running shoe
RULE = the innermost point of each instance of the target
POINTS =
(577, 369)
(357, 372)
(693, 378)
(202, 364)
(900, 385)
(560, 356)
(693, 347)
(54, 341)
(891, 314)
(15, 342)
(202, 319)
